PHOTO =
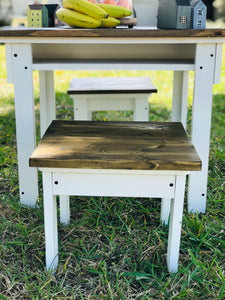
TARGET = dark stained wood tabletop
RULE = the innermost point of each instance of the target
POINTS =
(111, 32)
(116, 145)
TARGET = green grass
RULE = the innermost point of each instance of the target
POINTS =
(113, 248)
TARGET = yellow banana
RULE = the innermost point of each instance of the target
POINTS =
(86, 7)
(76, 19)
(115, 11)
(110, 22)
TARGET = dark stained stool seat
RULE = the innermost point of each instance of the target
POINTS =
(116, 145)
(111, 85)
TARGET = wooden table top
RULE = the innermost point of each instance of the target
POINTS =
(111, 32)
(116, 145)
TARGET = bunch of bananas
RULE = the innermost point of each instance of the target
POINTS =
(82, 13)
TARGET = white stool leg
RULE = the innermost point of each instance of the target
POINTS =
(175, 225)
(141, 109)
(50, 216)
(81, 108)
(165, 210)
(64, 201)
(47, 99)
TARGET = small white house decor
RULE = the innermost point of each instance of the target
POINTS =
(182, 14)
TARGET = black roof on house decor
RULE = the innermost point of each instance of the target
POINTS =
(36, 6)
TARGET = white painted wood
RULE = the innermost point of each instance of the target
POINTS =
(9, 66)
(64, 209)
(47, 99)
(81, 108)
(180, 97)
(115, 65)
(113, 184)
(110, 102)
(25, 121)
(218, 63)
(115, 171)
(165, 210)
(50, 217)
(175, 225)
(201, 124)
(85, 105)
(107, 101)
(141, 108)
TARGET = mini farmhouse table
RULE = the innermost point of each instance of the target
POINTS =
(141, 48)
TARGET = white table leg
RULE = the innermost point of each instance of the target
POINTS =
(165, 210)
(175, 225)
(50, 216)
(201, 124)
(25, 121)
(180, 97)
(64, 201)
(47, 99)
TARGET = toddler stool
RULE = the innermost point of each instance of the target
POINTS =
(111, 93)
(119, 159)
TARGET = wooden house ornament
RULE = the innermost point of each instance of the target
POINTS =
(181, 14)
(37, 15)
(40, 15)
(198, 15)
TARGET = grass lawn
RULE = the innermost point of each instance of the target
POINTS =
(113, 248)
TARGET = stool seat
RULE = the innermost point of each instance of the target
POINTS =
(116, 145)
(111, 85)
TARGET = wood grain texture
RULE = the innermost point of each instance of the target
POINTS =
(111, 85)
(111, 32)
(116, 145)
